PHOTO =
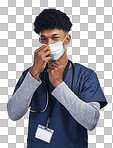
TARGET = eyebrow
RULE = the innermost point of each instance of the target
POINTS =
(51, 35)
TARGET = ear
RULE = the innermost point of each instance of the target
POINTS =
(39, 39)
(68, 39)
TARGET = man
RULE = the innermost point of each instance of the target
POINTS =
(59, 116)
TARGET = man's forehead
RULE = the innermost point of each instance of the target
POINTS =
(51, 32)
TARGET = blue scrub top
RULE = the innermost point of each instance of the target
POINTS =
(68, 133)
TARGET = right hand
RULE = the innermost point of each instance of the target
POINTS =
(41, 57)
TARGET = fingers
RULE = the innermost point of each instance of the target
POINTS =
(46, 54)
(56, 64)
(53, 65)
(42, 48)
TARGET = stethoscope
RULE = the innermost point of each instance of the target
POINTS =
(73, 79)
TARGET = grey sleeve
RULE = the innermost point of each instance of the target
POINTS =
(86, 114)
(19, 103)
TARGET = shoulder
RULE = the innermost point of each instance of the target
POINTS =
(24, 73)
(82, 70)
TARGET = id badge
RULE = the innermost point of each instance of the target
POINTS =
(44, 133)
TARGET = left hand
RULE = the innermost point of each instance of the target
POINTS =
(55, 72)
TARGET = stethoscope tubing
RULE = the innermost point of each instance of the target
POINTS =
(73, 79)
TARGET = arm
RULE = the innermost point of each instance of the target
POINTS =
(86, 114)
(19, 103)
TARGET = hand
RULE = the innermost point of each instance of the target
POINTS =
(55, 72)
(41, 57)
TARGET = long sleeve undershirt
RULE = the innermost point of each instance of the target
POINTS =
(87, 114)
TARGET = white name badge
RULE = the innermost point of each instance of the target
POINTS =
(44, 133)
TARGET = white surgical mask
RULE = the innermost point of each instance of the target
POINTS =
(56, 50)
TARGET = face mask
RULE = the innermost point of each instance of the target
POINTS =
(56, 49)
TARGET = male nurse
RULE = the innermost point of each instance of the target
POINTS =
(59, 116)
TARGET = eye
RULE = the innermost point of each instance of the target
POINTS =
(43, 39)
(55, 37)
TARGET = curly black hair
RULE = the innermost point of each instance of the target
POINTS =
(51, 19)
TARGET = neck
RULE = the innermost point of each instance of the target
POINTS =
(63, 60)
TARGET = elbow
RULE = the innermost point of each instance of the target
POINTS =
(15, 115)
(13, 118)
(11, 114)
(94, 121)
(91, 127)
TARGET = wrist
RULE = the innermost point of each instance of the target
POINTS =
(34, 73)
(58, 83)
